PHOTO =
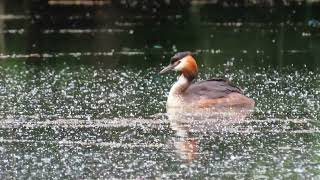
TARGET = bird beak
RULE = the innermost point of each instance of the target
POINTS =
(166, 69)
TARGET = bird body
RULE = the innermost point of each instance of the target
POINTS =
(213, 93)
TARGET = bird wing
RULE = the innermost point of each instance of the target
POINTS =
(212, 89)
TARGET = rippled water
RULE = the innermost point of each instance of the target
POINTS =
(81, 97)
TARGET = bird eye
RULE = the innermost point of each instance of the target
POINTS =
(177, 62)
(173, 60)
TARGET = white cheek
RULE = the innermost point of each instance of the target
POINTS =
(180, 66)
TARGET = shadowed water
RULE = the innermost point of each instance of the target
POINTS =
(81, 97)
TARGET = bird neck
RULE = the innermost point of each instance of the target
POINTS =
(180, 86)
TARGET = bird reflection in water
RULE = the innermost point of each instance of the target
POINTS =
(190, 124)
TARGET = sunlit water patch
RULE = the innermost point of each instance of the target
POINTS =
(90, 92)
(92, 121)
(151, 149)
(44, 56)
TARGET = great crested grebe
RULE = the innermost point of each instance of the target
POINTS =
(213, 93)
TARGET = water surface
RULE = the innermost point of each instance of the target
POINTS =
(81, 97)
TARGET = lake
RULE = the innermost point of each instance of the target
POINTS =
(81, 96)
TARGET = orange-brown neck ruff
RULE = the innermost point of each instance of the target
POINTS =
(190, 69)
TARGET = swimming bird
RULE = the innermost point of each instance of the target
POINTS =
(212, 93)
